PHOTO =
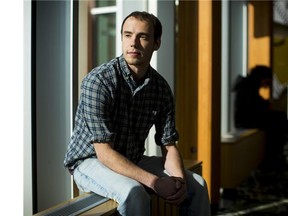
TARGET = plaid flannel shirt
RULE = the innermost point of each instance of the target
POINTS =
(113, 108)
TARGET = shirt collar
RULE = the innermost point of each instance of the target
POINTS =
(126, 71)
(124, 67)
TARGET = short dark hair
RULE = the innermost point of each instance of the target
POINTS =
(260, 73)
(150, 18)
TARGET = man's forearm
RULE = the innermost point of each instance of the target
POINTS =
(120, 164)
(174, 166)
(173, 161)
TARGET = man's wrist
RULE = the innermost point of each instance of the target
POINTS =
(152, 183)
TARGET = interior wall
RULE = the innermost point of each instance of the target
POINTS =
(165, 55)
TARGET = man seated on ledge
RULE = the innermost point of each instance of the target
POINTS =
(120, 101)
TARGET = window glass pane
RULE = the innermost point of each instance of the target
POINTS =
(104, 34)
(104, 3)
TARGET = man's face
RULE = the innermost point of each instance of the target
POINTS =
(138, 42)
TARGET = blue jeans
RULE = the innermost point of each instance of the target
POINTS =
(132, 198)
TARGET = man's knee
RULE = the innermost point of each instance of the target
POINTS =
(137, 193)
(135, 201)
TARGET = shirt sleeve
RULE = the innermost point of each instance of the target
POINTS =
(165, 124)
(96, 102)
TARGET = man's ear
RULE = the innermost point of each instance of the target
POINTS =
(157, 44)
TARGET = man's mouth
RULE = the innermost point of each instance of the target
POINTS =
(134, 53)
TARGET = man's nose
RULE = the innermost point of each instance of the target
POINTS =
(134, 42)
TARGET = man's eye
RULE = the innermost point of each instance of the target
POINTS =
(127, 35)
(144, 37)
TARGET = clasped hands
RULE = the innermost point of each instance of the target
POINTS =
(172, 189)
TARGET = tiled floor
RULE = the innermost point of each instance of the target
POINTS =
(263, 193)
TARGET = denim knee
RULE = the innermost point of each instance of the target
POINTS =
(135, 201)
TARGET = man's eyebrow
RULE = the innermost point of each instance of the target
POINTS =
(140, 33)
(127, 32)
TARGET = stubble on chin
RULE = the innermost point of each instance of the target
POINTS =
(132, 61)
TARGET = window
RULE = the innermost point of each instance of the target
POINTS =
(103, 31)
(234, 57)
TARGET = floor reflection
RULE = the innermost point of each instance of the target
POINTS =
(264, 192)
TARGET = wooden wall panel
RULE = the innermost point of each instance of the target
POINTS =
(260, 16)
(204, 87)
(198, 77)
(186, 77)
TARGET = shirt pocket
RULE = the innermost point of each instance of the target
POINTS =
(147, 118)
